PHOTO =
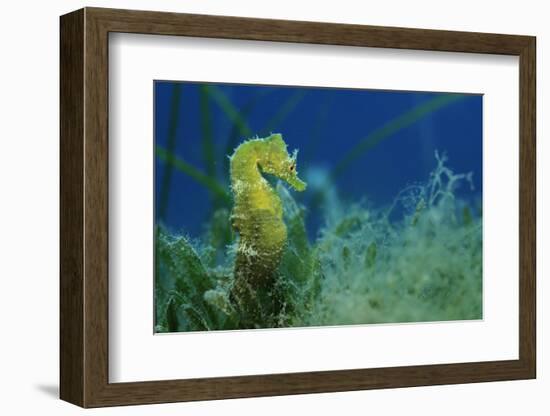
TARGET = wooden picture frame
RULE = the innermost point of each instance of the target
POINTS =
(84, 207)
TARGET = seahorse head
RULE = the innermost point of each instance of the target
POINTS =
(278, 162)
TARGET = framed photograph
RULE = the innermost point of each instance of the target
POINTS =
(255, 207)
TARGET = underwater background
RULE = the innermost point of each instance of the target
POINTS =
(390, 224)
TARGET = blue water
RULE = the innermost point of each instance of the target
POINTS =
(324, 125)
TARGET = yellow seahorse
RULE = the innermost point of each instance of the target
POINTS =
(258, 219)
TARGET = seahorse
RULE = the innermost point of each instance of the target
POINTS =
(258, 219)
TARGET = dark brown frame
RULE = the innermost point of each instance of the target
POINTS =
(84, 208)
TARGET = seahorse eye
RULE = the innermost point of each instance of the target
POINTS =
(292, 167)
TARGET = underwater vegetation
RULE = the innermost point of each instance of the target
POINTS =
(364, 267)
(424, 266)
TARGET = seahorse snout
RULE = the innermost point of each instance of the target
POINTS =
(298, 184)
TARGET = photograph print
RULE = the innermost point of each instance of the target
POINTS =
(293, 207)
